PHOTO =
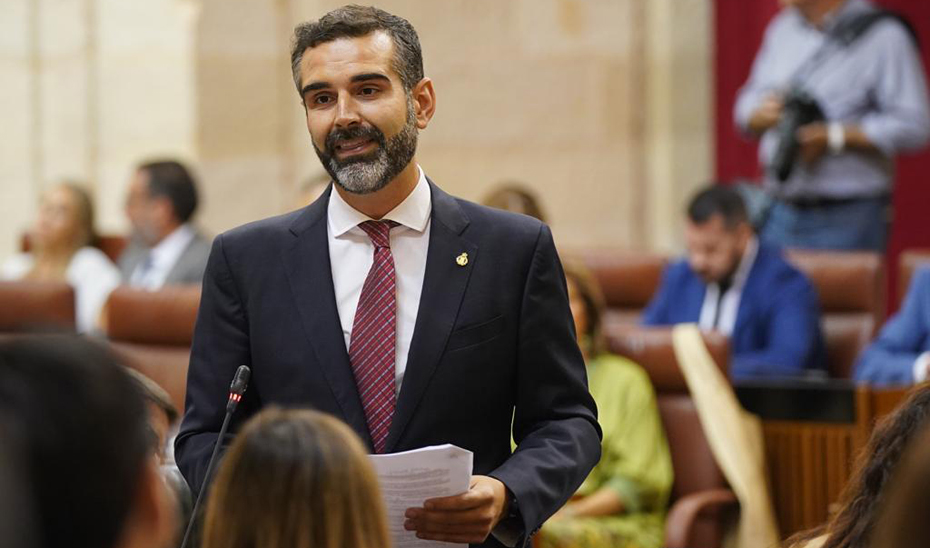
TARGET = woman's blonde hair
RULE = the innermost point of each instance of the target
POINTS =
(295, 479)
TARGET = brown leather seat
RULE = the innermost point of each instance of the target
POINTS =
(36, 306)
(908, 261)
(627, 279)
(701, 502)
(851, 289)
(152, 332)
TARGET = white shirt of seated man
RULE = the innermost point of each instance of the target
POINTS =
(153, 271)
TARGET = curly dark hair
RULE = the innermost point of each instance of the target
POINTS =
(862, 498)
(353, 21)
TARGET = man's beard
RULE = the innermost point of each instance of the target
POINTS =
(369, 173)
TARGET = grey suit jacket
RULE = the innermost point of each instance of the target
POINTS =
(188, 269)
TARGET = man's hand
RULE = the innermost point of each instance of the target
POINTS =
(766, 115)
(812, 139)
(466, 518)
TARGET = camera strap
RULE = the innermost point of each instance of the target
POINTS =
(846, 32)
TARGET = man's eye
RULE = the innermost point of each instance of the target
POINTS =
(368, 91)
(321, 99)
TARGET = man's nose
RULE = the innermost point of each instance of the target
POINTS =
(346, 111)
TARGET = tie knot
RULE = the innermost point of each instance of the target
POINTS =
(379, 232)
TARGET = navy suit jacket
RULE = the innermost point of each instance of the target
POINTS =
(493, 343)
(777, 331)
(889, 360)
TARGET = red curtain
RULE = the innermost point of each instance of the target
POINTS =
(740, 25)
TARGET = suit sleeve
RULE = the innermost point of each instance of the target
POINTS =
(792, 334)
(555, 420)
(220, 346)
(889, 360)
(658, 311)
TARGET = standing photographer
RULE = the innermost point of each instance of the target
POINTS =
(836, 90)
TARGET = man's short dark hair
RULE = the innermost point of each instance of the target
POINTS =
(170, 179)
(353, 21)
(81, 427)
(718, 200)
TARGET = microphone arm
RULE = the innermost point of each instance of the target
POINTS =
(236, 389)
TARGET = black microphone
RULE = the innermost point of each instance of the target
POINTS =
(236, 389)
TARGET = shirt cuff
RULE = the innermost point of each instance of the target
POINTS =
(920, 367)
(509, 531)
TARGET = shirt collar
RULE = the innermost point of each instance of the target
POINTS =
(745, 264)
(412, 213)
(173, 244)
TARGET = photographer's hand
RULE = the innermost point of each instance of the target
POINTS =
(812, 139)
(766, 115)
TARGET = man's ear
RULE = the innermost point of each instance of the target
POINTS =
(152, 521)
(424, 102)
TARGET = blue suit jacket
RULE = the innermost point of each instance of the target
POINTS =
(777, 331)
(889, 360)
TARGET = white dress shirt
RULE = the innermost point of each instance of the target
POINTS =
(729, 305)
(152, 272)
(351, 255)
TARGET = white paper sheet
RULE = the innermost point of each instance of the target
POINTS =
(407, 479)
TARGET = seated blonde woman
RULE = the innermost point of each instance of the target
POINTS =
(622, 503)
(295, 479)
(61, 250)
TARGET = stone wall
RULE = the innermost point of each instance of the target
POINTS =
(603, 106)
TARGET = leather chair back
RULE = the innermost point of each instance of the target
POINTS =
(152, 332)
(851, 290)
(627, 279)
(112, 246)
(36, 306)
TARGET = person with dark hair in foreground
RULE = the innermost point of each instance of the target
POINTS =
(417, 318)
(165, 248)
(866, 492)
(295, 479)
(88, 461)
(902, 522)
(747, 291)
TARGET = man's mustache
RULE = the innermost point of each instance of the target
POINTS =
(356, 132)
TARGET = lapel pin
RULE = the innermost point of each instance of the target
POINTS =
(462, 259)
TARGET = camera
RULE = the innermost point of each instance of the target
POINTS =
(800, 108)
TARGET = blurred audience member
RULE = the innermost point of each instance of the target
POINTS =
(901, 353)
(312, 188)
(89, 466)
(517, 198)
(623, 500)
(165, 248)
(903, 521)
(746, 290)
(853, 524)
(61, 249)
(295, 479)
(868, 86)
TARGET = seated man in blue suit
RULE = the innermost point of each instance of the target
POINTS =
(747, 291)
(901, 353)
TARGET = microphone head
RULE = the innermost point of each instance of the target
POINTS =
(240, 381)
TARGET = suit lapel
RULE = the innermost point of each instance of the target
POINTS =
(444, 285)
(310, 276)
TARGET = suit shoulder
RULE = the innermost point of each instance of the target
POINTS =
(499, 223)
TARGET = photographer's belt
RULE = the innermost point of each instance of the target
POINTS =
(817, 202)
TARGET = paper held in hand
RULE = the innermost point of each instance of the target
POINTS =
(407, 479)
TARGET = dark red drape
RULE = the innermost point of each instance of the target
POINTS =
(739, 28)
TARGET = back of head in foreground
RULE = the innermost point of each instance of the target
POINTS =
(82, 428)
(853, 525)
(295, 479)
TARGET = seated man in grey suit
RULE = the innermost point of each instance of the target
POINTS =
(165, 248)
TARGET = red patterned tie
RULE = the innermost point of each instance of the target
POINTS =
(371, 350)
